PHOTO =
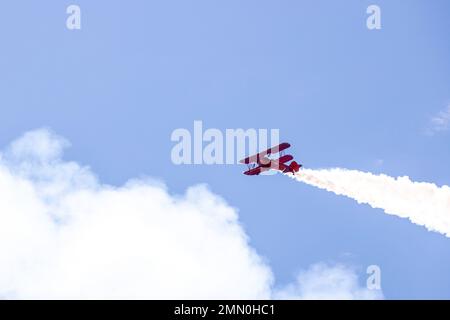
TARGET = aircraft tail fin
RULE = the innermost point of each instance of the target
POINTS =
(295, 166)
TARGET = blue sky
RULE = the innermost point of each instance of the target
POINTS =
(342, 95)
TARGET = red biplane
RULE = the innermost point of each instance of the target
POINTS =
(262, 162)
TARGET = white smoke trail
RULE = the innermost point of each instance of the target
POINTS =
(422, 203)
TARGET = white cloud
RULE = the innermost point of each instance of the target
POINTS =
(441, 121)
(326, 282)
(39, 145)
(63, 234)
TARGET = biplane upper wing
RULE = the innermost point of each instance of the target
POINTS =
(281, 147)
(259, 156)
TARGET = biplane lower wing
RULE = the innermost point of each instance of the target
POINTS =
(256, 171)
(274, 165)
